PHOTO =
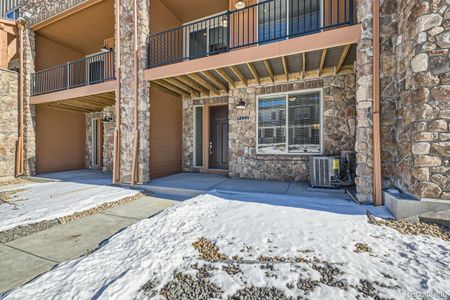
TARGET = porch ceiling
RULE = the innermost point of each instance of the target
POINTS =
(86, 104)
(85, 30)
(188, 10)
(306, 65)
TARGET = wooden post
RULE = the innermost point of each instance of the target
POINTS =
(377, 176)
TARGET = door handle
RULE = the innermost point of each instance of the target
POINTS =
(210, 148)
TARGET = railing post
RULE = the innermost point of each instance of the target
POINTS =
(228, 29)
(352, 2)
(68, 75)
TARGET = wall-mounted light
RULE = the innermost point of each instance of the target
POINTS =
(241, 104)
(240, 4)
(105, 48)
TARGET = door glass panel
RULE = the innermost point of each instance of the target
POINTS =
(217, 39)
(96, 71)
(94, 142)
(198, 128)
(272, 21)
(197, 43)
(304, 16)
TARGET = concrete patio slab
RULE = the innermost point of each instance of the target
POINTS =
(253, 186)
(187, 185)
(191, 181)
(18, 267)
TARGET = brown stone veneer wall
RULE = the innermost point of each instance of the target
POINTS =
(423, 72)
(107, 138)
(8, 121)
(127, 85)
(338, 123)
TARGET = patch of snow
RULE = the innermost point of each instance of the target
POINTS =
(46, 201)
(269, 225)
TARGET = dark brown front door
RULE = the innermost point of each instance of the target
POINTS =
(218, 139)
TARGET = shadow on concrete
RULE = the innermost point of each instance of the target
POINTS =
(319, 203)
(86, 176)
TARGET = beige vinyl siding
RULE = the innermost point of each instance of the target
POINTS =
(161, 18)
(60, 140)
(50, 54)
(165, 133)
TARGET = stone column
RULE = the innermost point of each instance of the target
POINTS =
(364, 98)
(29, 110)
(127, 87)
(9, 84)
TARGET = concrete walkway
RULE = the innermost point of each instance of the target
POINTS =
(30, 256)
(187, 185)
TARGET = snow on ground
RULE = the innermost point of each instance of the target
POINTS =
(316, 238)
(35, 202)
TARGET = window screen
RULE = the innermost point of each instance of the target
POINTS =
(299, 133)
(304, 123)
(271, 122)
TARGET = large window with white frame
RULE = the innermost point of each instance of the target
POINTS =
(290, 123)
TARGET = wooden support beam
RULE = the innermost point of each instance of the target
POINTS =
(269, 69)
(322, 61)
(182, 86)
(239, 75)
(204, 83)
(254, 72)
(193, 84)
(285, 67)
(68, 108)
(342, 58)
(303, 64)
(216, 81)
(172, 87)
(227, 77)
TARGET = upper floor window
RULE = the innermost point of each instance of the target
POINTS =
(290, 123)
(13, 14)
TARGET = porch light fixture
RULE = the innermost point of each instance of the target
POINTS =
(241, 104)
(240, 4)
(224, 21)
(105, 48)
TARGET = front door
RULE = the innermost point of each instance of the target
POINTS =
(218, 145)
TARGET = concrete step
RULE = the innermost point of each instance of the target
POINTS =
(438, 217)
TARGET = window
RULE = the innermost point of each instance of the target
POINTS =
(198, 136)
(290, 123)
(94, 140)
(13, 14)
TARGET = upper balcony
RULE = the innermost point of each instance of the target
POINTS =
(74, 61)
(255, 35)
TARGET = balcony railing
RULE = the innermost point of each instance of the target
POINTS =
(257, 24)
(90, 70)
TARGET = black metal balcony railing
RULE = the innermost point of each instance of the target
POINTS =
(261, 23)
(90, 70)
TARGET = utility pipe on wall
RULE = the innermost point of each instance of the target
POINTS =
(135, 166)
(377, 176)
(116, 164)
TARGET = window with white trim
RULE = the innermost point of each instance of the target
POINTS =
(290, 123)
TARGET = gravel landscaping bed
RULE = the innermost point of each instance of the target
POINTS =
(413, 227)
(197, 280)
(25, 230)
